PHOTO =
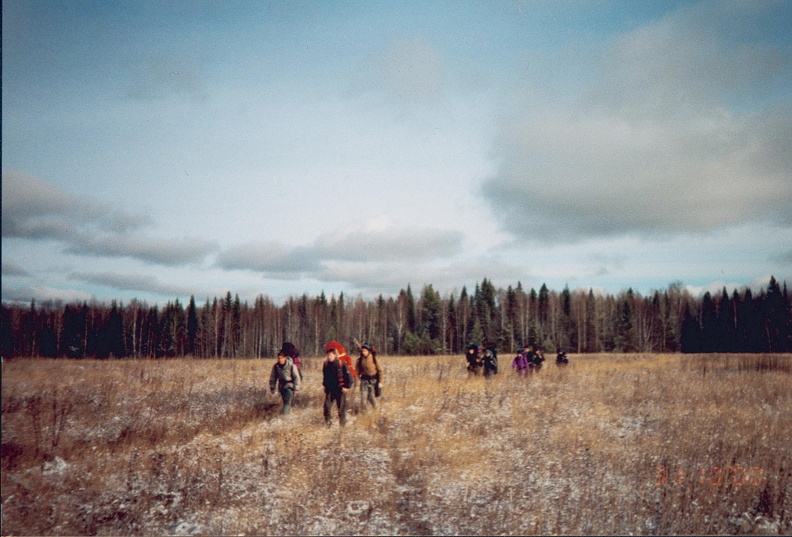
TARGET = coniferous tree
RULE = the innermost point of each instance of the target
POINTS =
(773, 313)
(752, 324)
(624, 336)
(430, 315)
(709, 340)
(451, 313)
(6, 332)
(192, 328)
(691, 332)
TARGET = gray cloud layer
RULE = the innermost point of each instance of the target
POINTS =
(269, 257)
(651, 147)
(344, 255)
(390, 244)
(34, 209)
(12, 269)
(131, 282)
(151, 250)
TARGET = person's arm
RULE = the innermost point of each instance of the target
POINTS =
(273, 379)
(347, 378)
(296, 377)
(379, 370)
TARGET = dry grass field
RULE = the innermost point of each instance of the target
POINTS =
(611, 444)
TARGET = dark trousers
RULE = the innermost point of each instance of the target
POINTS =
(287, 394)
(340, 400)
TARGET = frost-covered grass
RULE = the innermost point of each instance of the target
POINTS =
(641, 444)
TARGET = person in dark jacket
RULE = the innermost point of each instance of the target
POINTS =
(473, 360)
(286, 377)
(336, 381)
(490, 360)
(537, 359)
(561, 357)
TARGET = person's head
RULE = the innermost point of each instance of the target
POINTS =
(527, 348)
(282, 357)
(335, 345)
(331, 354)
(366, 350)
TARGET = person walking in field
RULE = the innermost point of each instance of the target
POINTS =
(473, 357)
(561, 357)
(286, 377)
(336, 380)
(344, 357)
(370, 375)
(537, 358)
(520, 364)
(490, 361)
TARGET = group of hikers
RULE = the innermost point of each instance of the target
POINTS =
(339, 376)
(484, 360)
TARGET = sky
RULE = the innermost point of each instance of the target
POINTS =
(158, 150)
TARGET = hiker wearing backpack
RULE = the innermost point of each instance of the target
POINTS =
(473, 360)
(292, 352)
(344, 357)
(336, 380)
(561, 357)
(370, 375)
(490, 361)
(286, 377)
(520, 364)
(536, 359)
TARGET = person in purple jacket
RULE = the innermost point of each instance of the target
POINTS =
(520, 363)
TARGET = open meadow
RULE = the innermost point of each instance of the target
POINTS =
(610, 444)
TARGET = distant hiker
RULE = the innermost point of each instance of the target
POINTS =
(520, 364)
(336, 381)
(473, 360)
(370, 375)
(286, 377)
(537, 358)
(490, 361)
(292, 352)
(561, 357)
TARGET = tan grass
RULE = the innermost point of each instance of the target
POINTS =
(648, 444)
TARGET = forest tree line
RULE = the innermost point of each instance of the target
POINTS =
(579, 321)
